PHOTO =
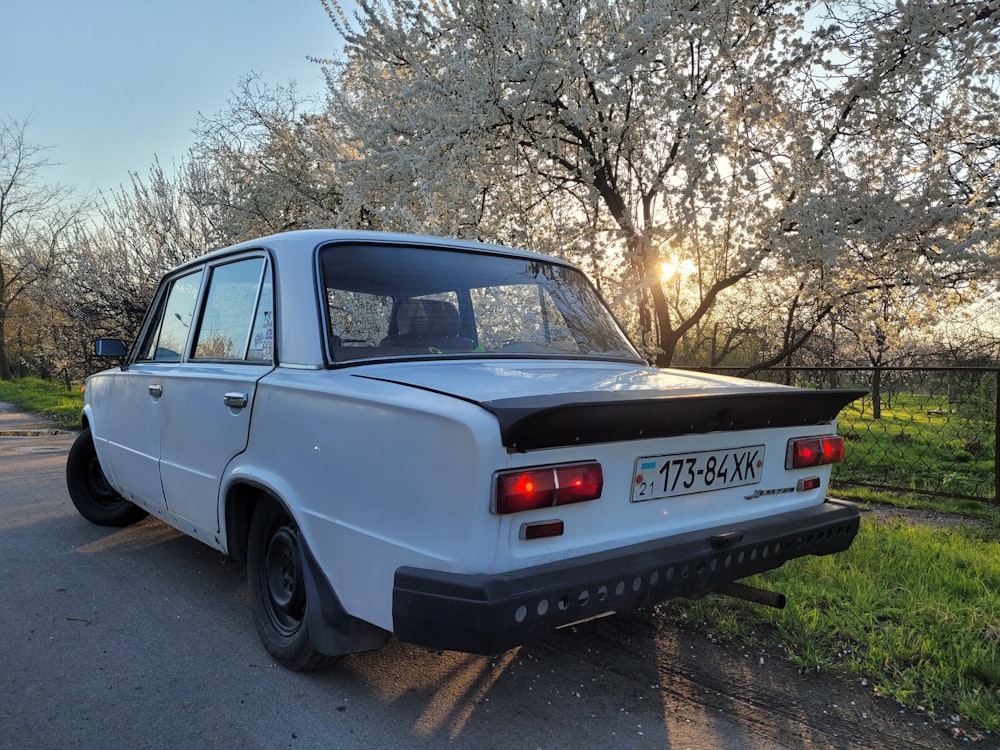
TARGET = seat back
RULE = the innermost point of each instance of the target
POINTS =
(428, 324)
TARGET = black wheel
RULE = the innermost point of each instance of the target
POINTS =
(89, 490)
(278, 591)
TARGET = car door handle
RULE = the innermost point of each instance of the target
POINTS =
(235, 400)
(155, 390)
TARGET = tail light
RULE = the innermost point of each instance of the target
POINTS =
(528, 489)
(815, 451)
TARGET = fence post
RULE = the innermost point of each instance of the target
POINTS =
(877, 392)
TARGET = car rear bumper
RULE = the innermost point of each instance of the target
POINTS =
(486, 614)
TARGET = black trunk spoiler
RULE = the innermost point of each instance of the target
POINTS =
(553, 420)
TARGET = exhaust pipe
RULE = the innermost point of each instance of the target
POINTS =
(752, 594)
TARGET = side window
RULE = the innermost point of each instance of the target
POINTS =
(166, 339)
(262, 334)
(232, 313)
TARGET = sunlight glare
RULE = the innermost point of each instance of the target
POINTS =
(669, 269)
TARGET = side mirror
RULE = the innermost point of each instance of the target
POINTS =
(110, 348)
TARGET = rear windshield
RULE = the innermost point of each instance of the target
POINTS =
(399, 301)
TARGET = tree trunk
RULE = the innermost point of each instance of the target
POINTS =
(656, 321)
(5, 373)
(667, 338)
(4, 364)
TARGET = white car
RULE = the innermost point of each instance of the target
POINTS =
(448, 442)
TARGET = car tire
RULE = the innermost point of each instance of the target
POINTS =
(278, 589)
(92, 495)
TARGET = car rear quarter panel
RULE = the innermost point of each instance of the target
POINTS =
(377, 476)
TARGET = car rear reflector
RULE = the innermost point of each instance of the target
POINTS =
(528, 489)
(815, 451)
(807, 484)
(541, 530)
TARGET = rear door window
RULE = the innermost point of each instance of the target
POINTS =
(237, 322)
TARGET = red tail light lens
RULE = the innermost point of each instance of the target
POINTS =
(542, 488)
(525, 490)
(815, 451)
(579, 483)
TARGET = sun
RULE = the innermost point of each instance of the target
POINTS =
(676, 269)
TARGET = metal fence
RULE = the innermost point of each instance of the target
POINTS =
(928, 430)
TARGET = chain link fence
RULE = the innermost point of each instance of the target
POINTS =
(928, 430)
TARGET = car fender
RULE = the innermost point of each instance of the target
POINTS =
(99, 433)
(332, 629)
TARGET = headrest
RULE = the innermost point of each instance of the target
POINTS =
(428, 317)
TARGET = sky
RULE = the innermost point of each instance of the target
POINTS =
(110, 85)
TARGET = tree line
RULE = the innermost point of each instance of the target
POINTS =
(749, 183)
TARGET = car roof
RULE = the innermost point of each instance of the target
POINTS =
(294, 242)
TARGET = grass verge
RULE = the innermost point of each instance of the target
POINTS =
(988, 514)
(912, 610)
(45, 397)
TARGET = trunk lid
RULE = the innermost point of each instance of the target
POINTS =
(548, 404)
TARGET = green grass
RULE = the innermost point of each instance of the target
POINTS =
(45, 397)
(914, 610)
(919, 443)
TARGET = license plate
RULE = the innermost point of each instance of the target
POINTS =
(689, 473)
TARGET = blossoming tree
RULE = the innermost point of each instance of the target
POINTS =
(835, 149)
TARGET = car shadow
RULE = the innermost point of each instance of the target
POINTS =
(629, 681)
(634, 680)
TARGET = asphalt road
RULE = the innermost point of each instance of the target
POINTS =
(142, 638)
